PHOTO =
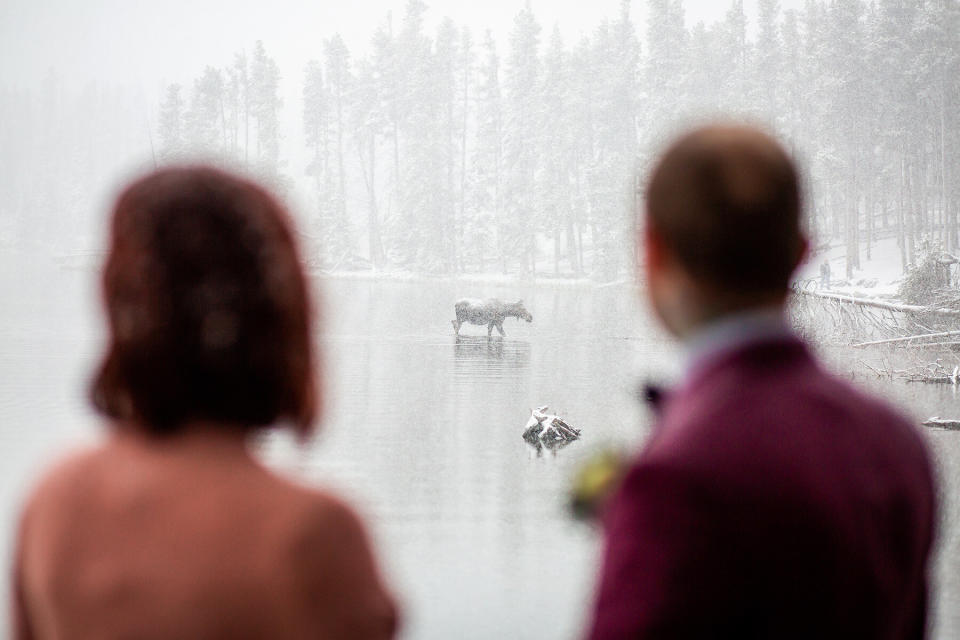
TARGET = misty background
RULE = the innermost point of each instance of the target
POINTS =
(450, 138)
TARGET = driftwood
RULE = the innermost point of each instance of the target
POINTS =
(548, 430)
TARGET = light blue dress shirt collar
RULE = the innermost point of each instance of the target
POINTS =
(733, 332)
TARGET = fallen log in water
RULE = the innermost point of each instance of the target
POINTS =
(880, 304)
(933, 372)
(942, 423)
(931, 379)
(909, 340)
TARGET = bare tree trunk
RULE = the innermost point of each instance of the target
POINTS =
(870, 213)
(452, 251)
(910, 213)
(223, 123)
(572, 243)
(463, 156)
(556, 250)
(341, 172)
(853, 222)
(901, 219)
(497, 205)
(948, 228)
(574, 228)
(580, 247)
(396, 166)
(246, 125)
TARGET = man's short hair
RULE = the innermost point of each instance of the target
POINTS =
(726, 201)
(208, 307)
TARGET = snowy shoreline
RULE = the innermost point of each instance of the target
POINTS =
(468, 278)
(93, 261)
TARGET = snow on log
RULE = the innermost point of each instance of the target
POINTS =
(547, 429)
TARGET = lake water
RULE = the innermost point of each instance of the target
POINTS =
(422, 434)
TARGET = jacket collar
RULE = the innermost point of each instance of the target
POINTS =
(772, 349)
(721, 342)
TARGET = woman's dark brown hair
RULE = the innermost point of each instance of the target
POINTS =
(207, 305)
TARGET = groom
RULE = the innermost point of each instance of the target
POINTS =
(773, 500)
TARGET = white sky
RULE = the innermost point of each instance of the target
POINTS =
(147, 43)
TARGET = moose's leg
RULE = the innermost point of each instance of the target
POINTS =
(456, 326)
(489, 329)
(500, 329)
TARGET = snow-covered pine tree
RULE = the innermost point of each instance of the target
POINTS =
(170, 125)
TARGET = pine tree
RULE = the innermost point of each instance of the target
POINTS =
(265, 106)
(663, 72)
(848, 81)
(466, 64)
(768, 61)
(483, 225)
(523, 113)
(339, 86)
(367, 124)
(238, 91)
(206, 119)
(414, 229)
(171, 140)
(386, 70)
(318, 136)
(446, 60)
(735, 49)
(556, 181)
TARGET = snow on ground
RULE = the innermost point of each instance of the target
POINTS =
(878, 276)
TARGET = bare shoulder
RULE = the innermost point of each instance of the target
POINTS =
(326, 536)
(67, 471)
(317, 511)
(336, 569)
(330, 517)
(61, 481)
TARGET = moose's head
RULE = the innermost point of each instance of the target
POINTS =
(517, 310)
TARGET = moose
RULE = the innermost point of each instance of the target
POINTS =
(490, 312)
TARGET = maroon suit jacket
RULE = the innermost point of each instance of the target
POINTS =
(772, 501)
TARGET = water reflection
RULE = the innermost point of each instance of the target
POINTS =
(549, 447)
(480, 357)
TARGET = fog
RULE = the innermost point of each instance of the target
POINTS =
(148, 43)
(82, 84)
(505, 138)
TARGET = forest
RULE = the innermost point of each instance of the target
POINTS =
(448, 151)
